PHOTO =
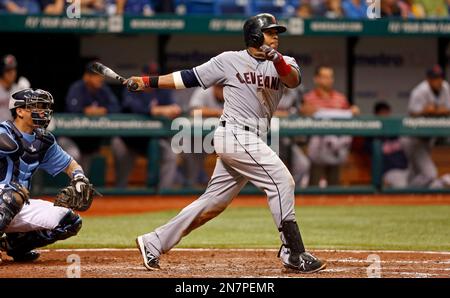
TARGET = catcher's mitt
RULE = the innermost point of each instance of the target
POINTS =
(77, 196)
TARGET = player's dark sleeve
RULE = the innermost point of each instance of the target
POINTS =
(113, 103)
(74, 99)
(189, 78)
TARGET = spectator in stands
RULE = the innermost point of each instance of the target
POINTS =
(395, 172)
(390, 9)
(317, 6)
(8, 85)
(410, 9)
(92, 97)
(327, 153)
(166, 6)
(20, 6)
(333, 9)
(207, 103)
(355, 9)
(135, 7)
(8, 75)
(52, 7)
(304, 11)
(434, 8)
(431, 98)
(153, 102)
(93, 7)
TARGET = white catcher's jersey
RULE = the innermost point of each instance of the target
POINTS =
(252, 87)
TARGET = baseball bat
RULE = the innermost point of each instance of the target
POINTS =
(109, 73)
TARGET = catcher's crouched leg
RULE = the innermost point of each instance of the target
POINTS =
(20, 245)
(11, 202)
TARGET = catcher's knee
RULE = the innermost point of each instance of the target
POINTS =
(10, 205)
(19, 243)
(68, 226)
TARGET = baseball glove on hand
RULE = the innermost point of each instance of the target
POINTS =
(77, 196)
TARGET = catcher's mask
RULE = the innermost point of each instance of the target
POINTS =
(39, 102)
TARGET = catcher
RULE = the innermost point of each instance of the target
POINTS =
(26, 146)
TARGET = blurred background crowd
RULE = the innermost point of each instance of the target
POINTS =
(353, 9)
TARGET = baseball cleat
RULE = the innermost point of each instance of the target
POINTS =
(151, 262)
(305, 263)
(25, 257)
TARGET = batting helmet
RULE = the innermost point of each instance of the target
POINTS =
(255, 26)
(39, 101)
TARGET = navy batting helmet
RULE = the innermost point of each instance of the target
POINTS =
(254, 27)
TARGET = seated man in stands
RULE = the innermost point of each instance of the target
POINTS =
(327, 153)
(430, 98)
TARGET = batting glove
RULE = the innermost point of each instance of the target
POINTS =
(271, 54)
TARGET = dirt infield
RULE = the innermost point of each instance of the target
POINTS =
(204, 263)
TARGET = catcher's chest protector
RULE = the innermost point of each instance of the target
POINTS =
(27, 158)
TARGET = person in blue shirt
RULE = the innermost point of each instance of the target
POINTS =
(355, 9)
(89, 96)
(153, 102)
(25, 146)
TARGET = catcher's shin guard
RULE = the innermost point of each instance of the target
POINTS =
(22, 243)
(9, 207)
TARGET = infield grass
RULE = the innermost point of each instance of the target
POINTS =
(327, 227)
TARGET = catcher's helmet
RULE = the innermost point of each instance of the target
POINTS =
(39, 102)
(254, 27)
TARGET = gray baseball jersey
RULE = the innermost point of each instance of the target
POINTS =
(422, 170)
(204, 98)
(252, 91)
(422, 95)
(252, 88)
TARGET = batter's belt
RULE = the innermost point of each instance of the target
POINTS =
(223, 123)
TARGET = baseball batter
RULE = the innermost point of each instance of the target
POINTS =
(254, 80)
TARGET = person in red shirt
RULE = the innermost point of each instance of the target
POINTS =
(324, 96)
(327, 153)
